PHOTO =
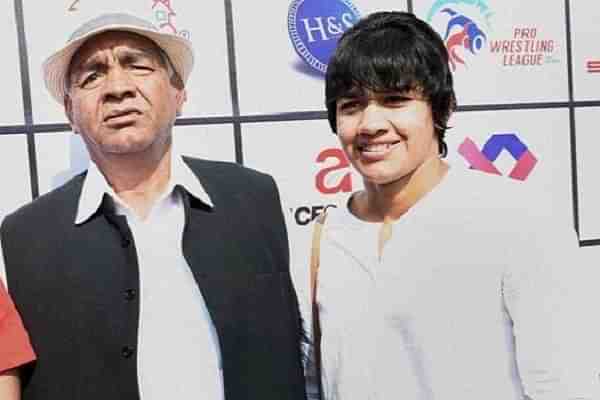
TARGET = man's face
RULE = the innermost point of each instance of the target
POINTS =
(120, 97)
(386, 136)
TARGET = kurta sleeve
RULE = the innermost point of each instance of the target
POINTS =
(544, 292)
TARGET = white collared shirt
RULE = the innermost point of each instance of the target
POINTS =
(178, 348)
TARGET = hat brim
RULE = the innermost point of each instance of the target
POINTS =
(55, 68)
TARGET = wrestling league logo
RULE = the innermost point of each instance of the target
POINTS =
(315, 26)
(461, 33)
(483, 160)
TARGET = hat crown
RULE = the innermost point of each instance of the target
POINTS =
(117, 19)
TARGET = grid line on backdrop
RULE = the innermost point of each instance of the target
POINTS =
(300, 116)
(233, 86)
(26, 92)
(236, 119)
(572, 135)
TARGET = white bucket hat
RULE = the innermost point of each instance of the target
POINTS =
(178, 49)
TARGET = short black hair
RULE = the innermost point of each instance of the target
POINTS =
(393, 51)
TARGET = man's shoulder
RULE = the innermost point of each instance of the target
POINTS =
(200, 166)
(221, 175)
(238, 189)
(54, 205)
(494, 196)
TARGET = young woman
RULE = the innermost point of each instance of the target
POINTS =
(15, 349)
(425, 290)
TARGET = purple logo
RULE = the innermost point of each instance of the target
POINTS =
(483, 160)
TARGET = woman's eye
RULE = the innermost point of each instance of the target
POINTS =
(349, 105)
(395, 100)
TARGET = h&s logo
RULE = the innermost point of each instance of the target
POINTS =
(315, 26)
(461, 33)
(483, 160)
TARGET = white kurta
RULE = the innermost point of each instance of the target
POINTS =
(467, 301)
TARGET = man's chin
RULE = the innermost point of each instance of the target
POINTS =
(126, 148)
(134, 144)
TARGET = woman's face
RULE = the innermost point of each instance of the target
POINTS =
(386, 136)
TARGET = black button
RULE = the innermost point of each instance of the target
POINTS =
(127, 351)
(130, 294)
(125, 242)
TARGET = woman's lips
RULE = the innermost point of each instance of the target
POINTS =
(376, 151)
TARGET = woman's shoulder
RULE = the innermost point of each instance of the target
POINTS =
(339, 218)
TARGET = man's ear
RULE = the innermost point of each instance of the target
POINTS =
(69, 112)
(181, 98)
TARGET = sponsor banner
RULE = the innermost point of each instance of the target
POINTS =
(208, 86)
(502, 52)
(14, 167)
(588, 257)
(10, 77)
(588, 168)
(593, 66)
(586, 54)
(289, 48)
(61, 156)
(529, 147)
(306, 161)
(213, 142)
(312, 174)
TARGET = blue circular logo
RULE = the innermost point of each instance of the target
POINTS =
(315, 27)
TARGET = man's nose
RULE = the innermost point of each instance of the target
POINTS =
(118, 84)
(374, 119)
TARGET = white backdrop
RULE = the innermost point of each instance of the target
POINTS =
(254, 100)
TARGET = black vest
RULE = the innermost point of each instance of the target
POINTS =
(76, 288)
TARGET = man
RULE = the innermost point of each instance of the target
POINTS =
(150, 276)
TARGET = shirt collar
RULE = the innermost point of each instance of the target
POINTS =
(95, 187)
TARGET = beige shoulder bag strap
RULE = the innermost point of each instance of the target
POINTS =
(314, 270)
(315, 255)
